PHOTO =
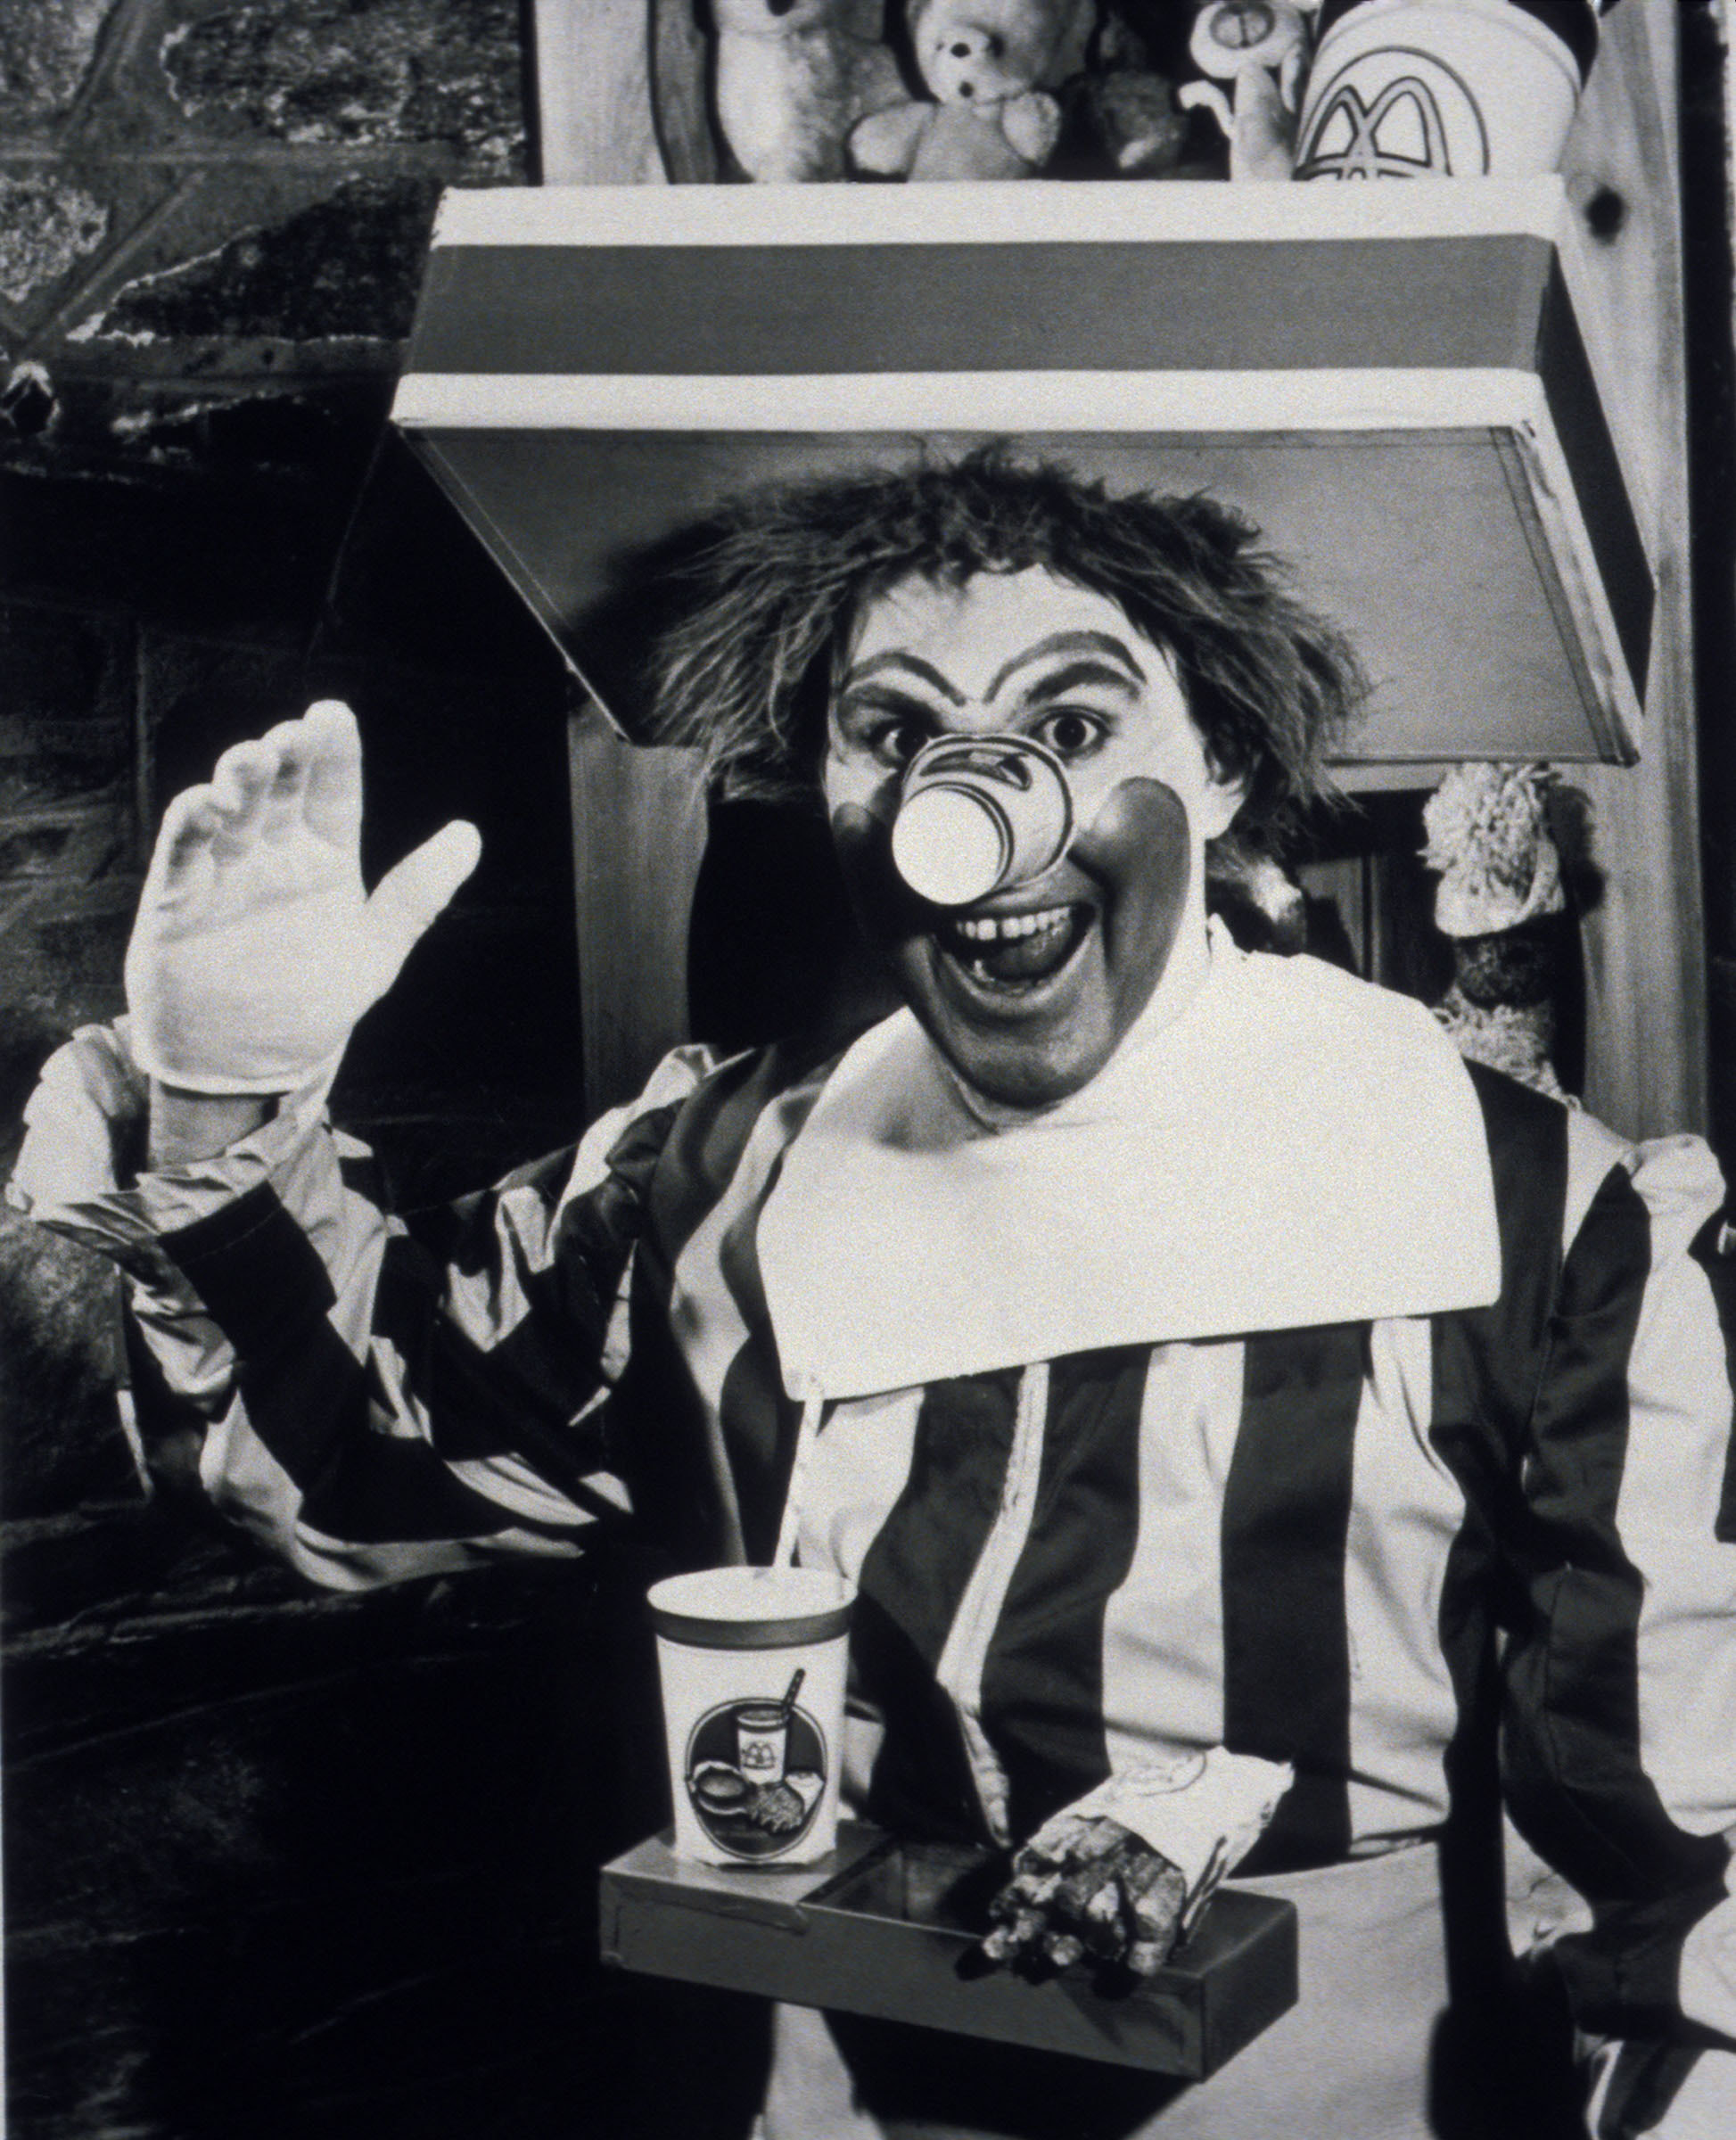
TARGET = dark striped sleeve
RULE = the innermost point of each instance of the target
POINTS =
(1286, 1645)
(306, 1394)
(1620, 1651)
(380, 1399)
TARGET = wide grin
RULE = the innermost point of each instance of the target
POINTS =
(1013, 950)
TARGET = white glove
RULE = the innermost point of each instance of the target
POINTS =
(256, 948)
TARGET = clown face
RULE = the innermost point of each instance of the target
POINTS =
(1030, 991)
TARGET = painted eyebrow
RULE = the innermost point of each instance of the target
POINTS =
(877, 664)
(1071, 642)
(1056, 683)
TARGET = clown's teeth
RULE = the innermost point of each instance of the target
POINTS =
(1000, 928)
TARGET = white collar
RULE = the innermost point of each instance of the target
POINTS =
(1295, 1147)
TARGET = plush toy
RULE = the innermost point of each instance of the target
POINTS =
(1261, 904)
(1121, 117)
(1128, 120)
(793, 77)
(1501, 903)
(1260, 48)
(993, 66)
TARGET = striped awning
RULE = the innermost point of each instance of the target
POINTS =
(1390, 380)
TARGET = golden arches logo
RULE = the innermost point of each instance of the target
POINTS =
(1394, 114)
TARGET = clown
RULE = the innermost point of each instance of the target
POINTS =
(1254, 1436)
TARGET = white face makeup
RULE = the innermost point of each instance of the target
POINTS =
(1029, 992)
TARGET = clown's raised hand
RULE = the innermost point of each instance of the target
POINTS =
(256, 948)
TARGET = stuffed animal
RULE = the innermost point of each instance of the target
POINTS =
(1120, 115)
(993, 65)
(793, 77)
(1502, 904)
(1260, 48)
(1261, 904)
(1128, 121)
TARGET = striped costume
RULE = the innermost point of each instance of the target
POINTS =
(1366, 1546)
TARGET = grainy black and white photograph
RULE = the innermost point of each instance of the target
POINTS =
(868, 1059)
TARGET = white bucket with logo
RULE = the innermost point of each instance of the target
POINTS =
(1443, 88)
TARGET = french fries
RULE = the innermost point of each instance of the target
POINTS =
(1084, 1885)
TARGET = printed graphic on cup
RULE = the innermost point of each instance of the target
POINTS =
(756, 1776)
(762, 1737)
(753, 1662)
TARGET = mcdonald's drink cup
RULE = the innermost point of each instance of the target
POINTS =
(753, 1666)
(1443, 88)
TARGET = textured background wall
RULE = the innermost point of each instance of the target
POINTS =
(274, 1864)
(213, 217)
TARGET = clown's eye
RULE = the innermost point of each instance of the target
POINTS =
(1071, 734)
(897, 741)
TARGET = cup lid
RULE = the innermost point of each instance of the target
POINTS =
(751, 1607)
(1574, 21)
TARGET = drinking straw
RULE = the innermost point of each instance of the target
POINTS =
(790, 1693)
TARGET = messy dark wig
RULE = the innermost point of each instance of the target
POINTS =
(769, 597)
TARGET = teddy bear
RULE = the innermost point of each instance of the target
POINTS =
(1014, 78)
(790, 78)
(992, 65)
(1260, 48)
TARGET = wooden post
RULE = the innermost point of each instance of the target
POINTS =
(1645, 946)
(638, 832)
(594, 92)
(622, 94)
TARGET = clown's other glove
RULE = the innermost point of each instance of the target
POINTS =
(256, 948)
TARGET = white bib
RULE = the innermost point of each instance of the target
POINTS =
(1297, 1147)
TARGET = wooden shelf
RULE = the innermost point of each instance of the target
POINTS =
(1392, 382)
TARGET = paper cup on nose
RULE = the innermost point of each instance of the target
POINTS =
(752, 1665)
(1443, 88)
(978, 813)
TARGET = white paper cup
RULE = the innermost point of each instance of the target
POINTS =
(1443, 89)
(978, 813)
(754, 1750)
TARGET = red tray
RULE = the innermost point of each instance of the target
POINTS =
(890, 1930)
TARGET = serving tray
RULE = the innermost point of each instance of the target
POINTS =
(890, 1930)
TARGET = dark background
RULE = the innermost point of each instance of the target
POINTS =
(274, 1861)
(277, 1862)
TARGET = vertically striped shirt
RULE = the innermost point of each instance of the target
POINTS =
(1364, 1548)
